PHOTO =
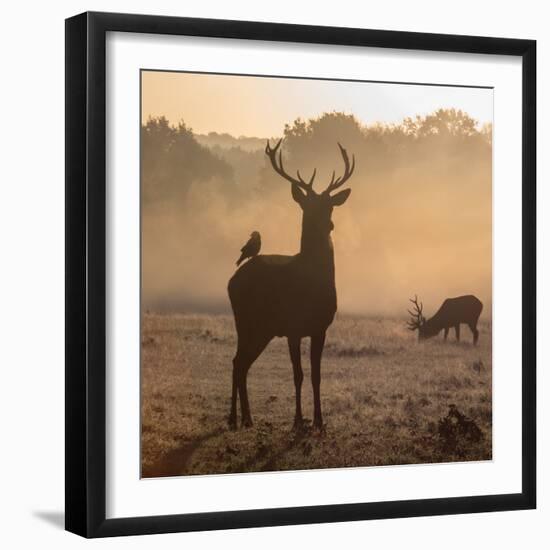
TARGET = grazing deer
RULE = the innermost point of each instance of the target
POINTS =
(453, 312)
(290, 296)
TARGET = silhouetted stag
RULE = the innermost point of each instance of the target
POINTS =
(453, 312)
(292, 296)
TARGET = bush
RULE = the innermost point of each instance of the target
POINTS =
(456, 430)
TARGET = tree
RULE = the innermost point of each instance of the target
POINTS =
(172, 159)
(442, 123)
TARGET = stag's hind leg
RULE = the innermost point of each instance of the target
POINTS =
(248, 350)
(317, 345)
(296, 359)
(475, 332)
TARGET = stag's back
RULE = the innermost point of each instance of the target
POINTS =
(281, 296)
(462, 309)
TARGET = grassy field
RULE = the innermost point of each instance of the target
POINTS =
(386, 398)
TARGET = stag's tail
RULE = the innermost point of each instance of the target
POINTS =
(241, 259)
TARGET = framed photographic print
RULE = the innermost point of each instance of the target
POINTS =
(300, 274)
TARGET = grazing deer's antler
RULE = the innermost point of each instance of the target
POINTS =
(417, 318)
(348, 171)
(271, 152)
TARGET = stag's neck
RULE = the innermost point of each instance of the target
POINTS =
(318, 251)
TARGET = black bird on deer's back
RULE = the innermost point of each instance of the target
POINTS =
(452, 313)
(289, 296)
(251, 248)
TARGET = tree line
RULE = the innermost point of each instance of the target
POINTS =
(173, 157)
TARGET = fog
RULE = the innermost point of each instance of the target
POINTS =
(418, 220)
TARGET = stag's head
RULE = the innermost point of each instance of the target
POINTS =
(317, 207)
(417, 321)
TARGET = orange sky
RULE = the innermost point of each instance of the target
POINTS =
(260, 106)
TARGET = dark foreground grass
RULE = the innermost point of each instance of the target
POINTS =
(386, 399)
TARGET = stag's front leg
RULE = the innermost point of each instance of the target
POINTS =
(296, 359)
(317, 345)
(246, 418)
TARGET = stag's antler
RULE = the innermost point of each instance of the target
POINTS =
(417, 318)
(271, 152)
(348, 171)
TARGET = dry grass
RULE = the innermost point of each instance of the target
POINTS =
(383, 395)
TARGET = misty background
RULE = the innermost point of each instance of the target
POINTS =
(418, 220)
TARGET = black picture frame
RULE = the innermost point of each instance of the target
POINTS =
(86, 274)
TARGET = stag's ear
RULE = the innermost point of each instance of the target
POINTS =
(298, 195)
(340, 198)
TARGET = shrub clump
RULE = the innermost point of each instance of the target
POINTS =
(456, 429)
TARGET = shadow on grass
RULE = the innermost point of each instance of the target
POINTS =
(271, 459)
(174, 462)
